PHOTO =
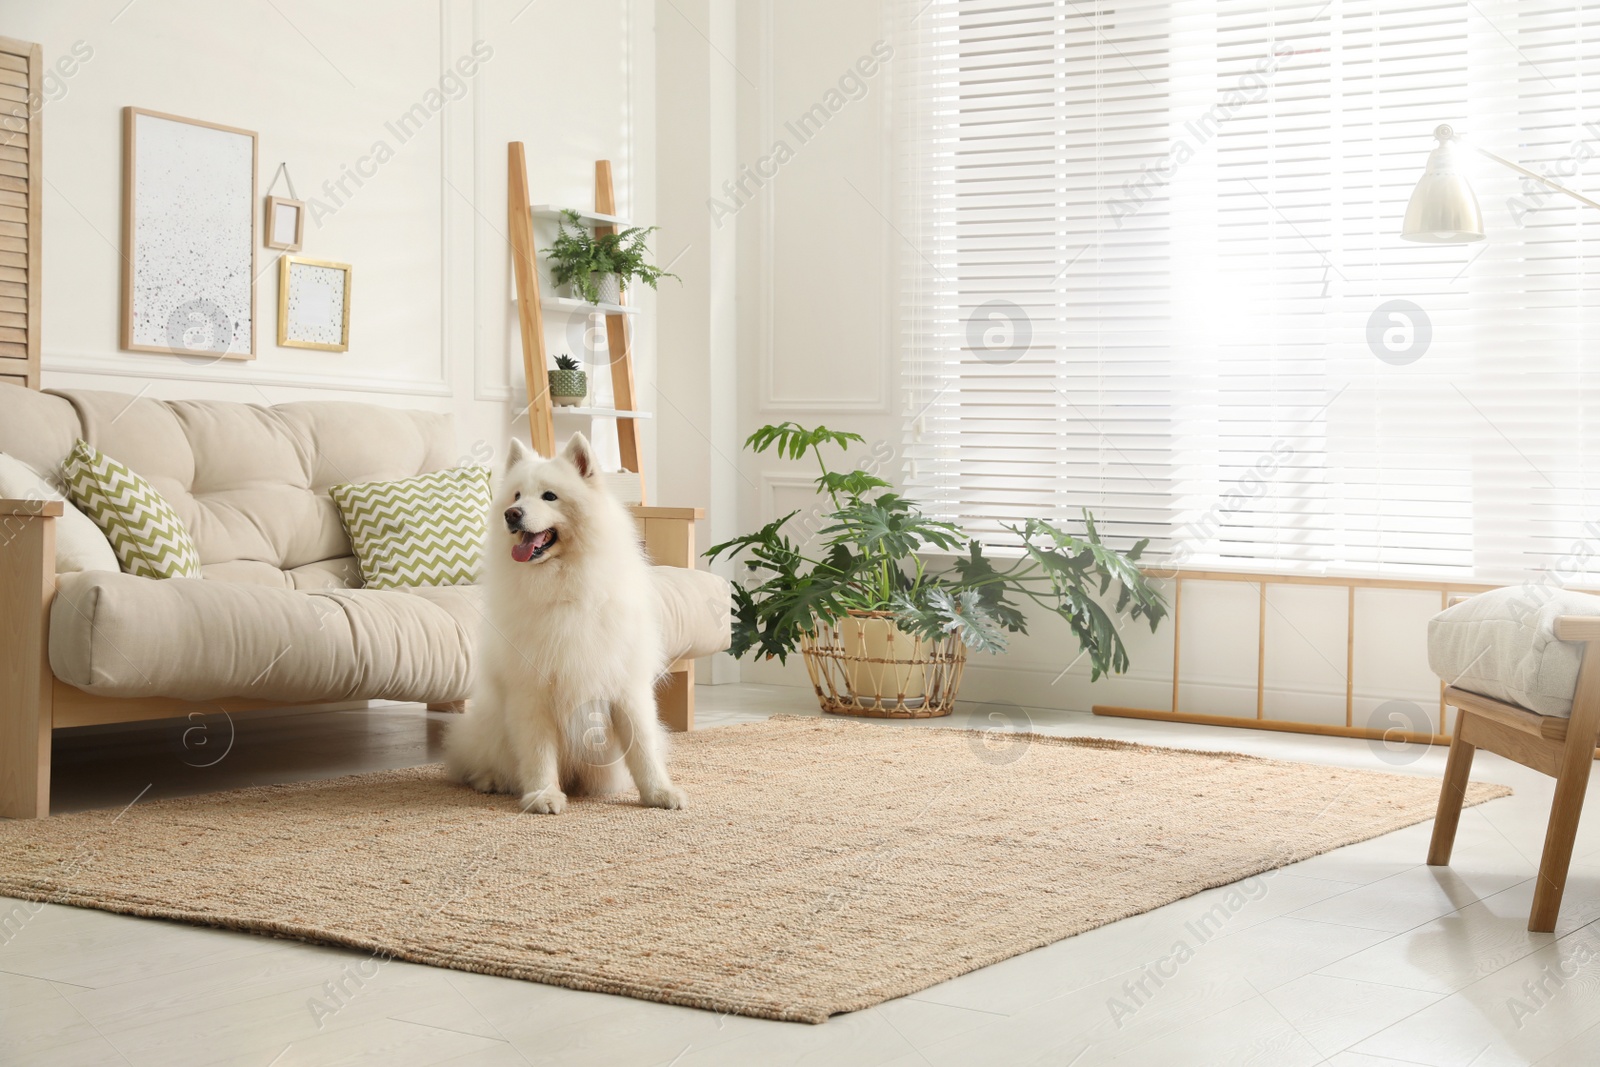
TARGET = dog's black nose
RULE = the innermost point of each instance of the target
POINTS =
(513, 517)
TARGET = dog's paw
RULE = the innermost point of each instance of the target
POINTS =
(669, 796)
(550, 801)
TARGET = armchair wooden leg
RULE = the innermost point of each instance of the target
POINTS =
(1457, 769)
(1572, 783)
(1558, 840)
(1571, 786)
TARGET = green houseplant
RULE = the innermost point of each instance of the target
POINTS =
(598, 267)
(568, 384)
(868, 611)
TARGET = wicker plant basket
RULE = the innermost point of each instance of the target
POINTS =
(864, 664)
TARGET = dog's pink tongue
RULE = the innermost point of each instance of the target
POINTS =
(524, 549)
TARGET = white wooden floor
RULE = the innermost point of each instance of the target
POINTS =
(1363, 956)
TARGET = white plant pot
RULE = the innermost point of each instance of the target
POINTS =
(610, 288)
(880, 639)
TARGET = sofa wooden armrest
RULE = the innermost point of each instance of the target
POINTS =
(27, 585)
(1578, 627)
(48, 508)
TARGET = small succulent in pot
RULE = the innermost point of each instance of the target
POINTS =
(568, 384)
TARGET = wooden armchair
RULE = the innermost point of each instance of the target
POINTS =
(1561, 748)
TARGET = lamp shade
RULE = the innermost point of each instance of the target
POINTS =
(1443, 209)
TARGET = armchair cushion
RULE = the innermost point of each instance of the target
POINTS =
(1502, 644)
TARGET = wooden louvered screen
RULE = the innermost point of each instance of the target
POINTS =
(21, 193)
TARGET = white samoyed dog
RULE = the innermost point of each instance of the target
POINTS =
(572, 649)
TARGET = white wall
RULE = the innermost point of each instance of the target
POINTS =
(817, 343)
(786, 310)
(696, 387)
(432, 322)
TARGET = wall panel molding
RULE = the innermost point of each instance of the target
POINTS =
(115, 367)
(879, 402)
(770, 483)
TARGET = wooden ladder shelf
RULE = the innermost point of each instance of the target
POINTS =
(530, 319)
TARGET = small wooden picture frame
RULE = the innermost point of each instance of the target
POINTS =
(314, 304)
(286, 223)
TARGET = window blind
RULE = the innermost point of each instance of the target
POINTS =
(1152, 268)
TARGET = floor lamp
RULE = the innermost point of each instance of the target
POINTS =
(1443, 209)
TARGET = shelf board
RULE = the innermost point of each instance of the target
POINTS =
(574, 306)
(607, 413)
(588, 218)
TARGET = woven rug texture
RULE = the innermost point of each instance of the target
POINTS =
(823, 865)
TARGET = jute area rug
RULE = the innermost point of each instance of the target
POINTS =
(823, 866)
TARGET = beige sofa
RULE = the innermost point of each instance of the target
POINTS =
(279, 617)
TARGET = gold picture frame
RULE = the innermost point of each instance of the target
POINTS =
(306, 299)
(274, 218)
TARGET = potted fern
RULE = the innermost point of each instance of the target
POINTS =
(568, 384)
(598, 268)
(883, 628)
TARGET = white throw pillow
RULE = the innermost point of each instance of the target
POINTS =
(80, 546)
(1502, 644)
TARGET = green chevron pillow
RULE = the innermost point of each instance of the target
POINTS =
(426, 530)
(148, 536)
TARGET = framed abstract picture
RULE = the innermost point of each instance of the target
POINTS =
(188, 236)
(313, 304)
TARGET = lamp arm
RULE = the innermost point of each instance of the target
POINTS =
(1525, 171)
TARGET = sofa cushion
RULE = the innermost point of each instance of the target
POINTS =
(80, 546)
(37, 428)
(118, 635)
(696, 612)
(1502, 644)
(341, 572)
(426, 530)
(147, 535)
(250, 482)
